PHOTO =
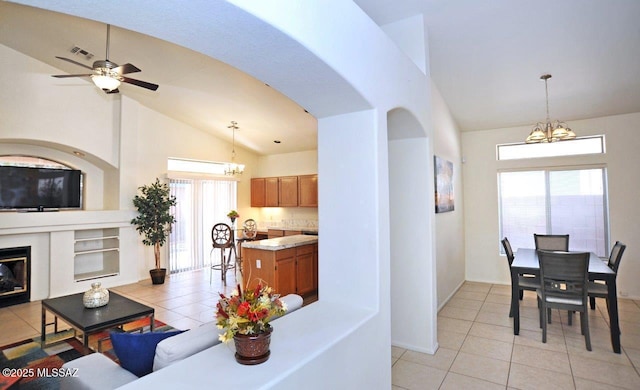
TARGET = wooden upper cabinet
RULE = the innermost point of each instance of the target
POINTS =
(288, 191)
(271, 192)
(258, 192)
(308, 191)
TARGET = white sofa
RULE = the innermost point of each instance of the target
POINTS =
(98, 372)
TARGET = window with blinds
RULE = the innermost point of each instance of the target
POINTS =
(201, 203)
(545, 201)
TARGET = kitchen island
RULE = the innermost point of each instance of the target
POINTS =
(288, 264)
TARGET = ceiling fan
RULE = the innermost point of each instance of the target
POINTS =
(108, 75)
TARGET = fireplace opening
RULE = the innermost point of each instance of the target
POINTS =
(15, 276)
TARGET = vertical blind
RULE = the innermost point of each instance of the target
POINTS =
(572, 201)
(199, 205)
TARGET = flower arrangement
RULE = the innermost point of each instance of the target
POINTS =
(233, 214)
(248, 311)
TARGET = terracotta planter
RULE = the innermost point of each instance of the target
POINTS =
(253, 348)
(157, 275)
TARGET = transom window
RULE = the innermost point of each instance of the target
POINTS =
(582, 145)
(546, 201)
(30, 161)
(195, 166)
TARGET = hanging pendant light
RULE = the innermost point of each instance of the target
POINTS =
(233, 169)
(549, 131)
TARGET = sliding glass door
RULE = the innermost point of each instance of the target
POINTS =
(200, 204)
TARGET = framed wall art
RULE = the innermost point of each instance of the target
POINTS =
(443, 185)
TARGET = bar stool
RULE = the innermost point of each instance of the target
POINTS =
(249, 233)
(223, 238)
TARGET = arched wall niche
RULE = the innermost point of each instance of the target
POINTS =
(94, 196)
(410, 209)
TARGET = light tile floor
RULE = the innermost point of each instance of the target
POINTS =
(477, 347)
(479, 351)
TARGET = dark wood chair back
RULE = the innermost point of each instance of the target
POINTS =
(552, 242)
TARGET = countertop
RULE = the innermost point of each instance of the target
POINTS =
(292, 228)
(279, 243)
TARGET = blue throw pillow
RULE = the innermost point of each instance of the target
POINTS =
(136, 350)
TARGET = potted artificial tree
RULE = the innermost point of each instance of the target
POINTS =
(154, 221)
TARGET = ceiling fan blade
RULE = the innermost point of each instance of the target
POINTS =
(140, 83)
(126, 68)
(62, 76)
(75, 62)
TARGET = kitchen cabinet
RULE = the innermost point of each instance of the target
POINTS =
(308, 191)
(288, 271)
(306, 269)
(273, 233)
(272, 192)
(285, 273)
(258, 192)
(288, 191)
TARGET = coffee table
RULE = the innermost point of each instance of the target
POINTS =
(117, 312)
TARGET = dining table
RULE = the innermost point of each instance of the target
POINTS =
(526, 262)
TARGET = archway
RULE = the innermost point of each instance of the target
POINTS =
(412, 263)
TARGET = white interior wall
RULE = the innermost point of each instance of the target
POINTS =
(409, 159)
(450, 230)
(410, 35)
(34, 107)
(483, 262)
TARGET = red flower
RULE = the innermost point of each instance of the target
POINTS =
(243, 309)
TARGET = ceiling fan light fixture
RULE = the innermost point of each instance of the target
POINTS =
(106, 83)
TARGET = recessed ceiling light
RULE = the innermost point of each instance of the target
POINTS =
(276, 141)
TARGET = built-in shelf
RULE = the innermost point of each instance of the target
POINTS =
(92, 275)
(96, 253)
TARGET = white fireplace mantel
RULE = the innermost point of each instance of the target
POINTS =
(52, 236)
(51, 221)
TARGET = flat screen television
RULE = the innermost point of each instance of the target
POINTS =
(25, 188)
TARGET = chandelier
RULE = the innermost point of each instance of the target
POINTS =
(549, 131)
(233, 169)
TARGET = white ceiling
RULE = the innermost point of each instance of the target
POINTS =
(486, 58)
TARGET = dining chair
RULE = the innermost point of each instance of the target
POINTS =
(552, 242)
(599, 290)
(525, 282)
(564, 280)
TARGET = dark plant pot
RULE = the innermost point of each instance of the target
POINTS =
(157, 275)
(253, 348)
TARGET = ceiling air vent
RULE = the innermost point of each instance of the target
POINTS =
(81, 52)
